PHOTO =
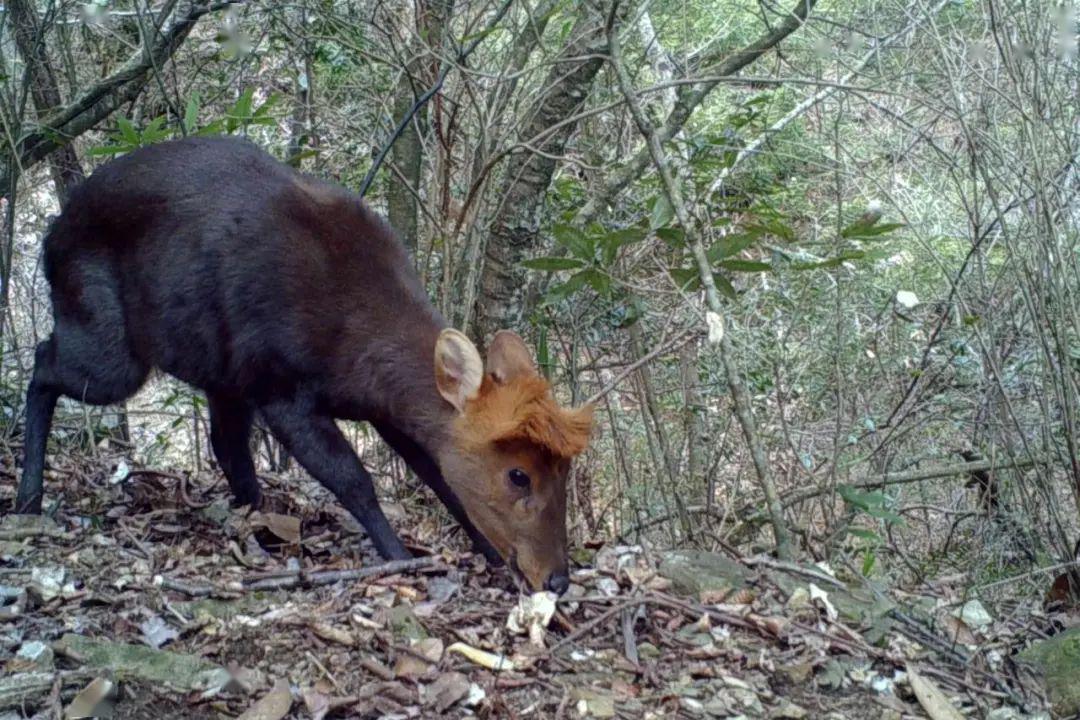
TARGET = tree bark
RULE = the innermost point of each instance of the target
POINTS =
(302, 135)
(60, 127)
(514, 234)
(406, 155)
(44, 90)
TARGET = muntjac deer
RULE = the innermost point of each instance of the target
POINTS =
(278, 294)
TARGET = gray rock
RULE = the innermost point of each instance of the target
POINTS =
(694, 572)
(1058, 659)
(37, 654)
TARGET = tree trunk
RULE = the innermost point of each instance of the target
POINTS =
(515, 231)
(302, 135)
(30, 38)
(406, 155)
(60, 127)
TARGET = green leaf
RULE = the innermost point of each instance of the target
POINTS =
(772, 226)
(242, 108)
(686, 278)
(745, 266)
(868, 562)
(543, 355)
(860, 498)
(108, 150)
(831, 262)
(127, 131)
(217, 127)
(689, 280)
(724, 285)
(874, 504)
(191, 113)
(551, 264)
(675, 237)
(610, 243)
(566, 289)
(294, 160)
(883, 514)
(597, 280)
(627, 313)
(574, 240)
(862, 534)
(240, 113)
(865, 229)
(155, 131)
(662, 212)
(262, 115)
(729, 245)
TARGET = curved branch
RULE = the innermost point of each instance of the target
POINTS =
(688, 100)
(101, 99)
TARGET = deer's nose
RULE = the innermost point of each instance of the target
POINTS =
(557, 582)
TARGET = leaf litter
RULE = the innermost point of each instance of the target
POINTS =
(171, 608)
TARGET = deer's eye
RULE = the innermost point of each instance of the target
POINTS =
(519, 478)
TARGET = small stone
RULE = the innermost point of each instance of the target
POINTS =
(607, 586)
(447, 690)
(37, 655)
(693, 572)
(156, 632)
(48, 583)
(475, 697)
(217, 513)
(974, 614)
(404, 623)
(648, 650)
(799, 600)
(1058, 660)
(789, 711)
(797, 673)
(591, 703)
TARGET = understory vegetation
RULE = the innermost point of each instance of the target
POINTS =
(816, 264)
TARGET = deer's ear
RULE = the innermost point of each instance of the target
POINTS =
(458, 368)
(509, 358)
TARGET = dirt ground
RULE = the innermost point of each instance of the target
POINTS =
(141, 594)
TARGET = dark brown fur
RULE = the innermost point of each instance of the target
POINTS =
(285, 296)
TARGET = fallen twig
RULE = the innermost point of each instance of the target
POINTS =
(304, 578)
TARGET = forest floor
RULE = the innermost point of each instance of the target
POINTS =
(144, 595)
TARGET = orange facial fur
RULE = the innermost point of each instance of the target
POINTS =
(524, 410)
(516, 425)
(509, 452)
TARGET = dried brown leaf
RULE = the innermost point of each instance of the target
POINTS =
(333, 634)
(447, 689)
(285, 527)
(933, 701)
(274, 705)
(92, 701)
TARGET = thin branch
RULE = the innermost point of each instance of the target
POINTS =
(104, 97)
(688, 101)
(462, 56)
(739, 395)
(827, 91)
(305, 578)
(678, 341)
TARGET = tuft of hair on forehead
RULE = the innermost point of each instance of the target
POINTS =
(524, 410)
